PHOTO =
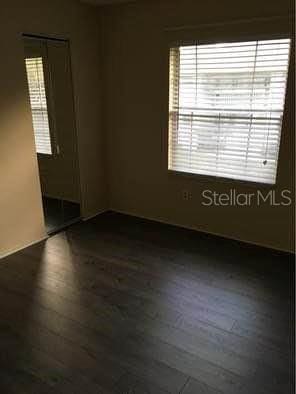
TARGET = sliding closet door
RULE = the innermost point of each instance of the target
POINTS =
(57, 157)
(61, 171)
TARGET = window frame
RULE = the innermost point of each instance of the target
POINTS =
(207, 38)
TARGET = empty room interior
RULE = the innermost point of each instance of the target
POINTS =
(147, 197)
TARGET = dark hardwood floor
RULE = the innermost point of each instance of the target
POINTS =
(123, 305)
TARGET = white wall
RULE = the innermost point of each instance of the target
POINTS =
(21, 217)
(136, 42)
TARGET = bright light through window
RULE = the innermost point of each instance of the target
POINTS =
(35, 76)
(226, 108)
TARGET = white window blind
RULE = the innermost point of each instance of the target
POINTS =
(35, 76)
(226, 108)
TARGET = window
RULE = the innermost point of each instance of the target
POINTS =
(35, 75)
(226, 108)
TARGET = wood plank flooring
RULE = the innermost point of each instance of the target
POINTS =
(127, 306)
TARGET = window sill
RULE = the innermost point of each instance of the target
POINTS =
(227, 181)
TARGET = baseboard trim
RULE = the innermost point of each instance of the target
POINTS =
(2, 256)
(86, 218)
(164, 221)
(63, 227)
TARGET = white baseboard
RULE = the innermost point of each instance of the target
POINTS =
(163, 221)
(2, 256)
(194, 228)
